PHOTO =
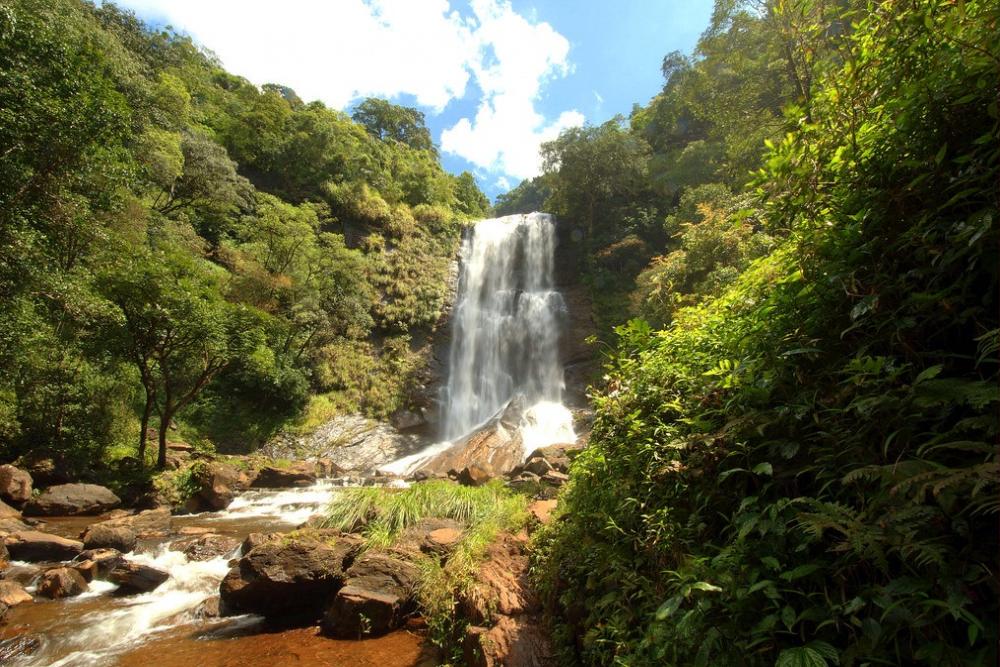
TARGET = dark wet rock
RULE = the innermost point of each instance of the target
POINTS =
(72, 500)
(526, 482)
(376, 597)
(104, 561)
(22, 574)
(61, 582)
(15, 484)
(206, 547)
(137, 577)
(216, 484)
(12, 593)
(431, 536)
(103, 536)
(296, 475)
(35, 546)
(287, 578)
(474, 475)
(18, 647)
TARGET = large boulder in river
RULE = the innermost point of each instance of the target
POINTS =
(206, 547)
(137, 577)
(376, 597)
(147, 523)
(47, 468)
(217, 484)
(102, 536)
(298, 474)
(15, 484)
(72, 500)
(61, 582)
(35, 546)
(288, 578)
(101, 561)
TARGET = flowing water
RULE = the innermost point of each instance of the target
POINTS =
(163, 628)
(505, 336)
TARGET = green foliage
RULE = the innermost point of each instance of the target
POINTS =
(151, 200)
(802, 470)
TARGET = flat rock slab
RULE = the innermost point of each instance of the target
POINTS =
(137, 577)
(35, 546)
(376, 597)
(72, 500)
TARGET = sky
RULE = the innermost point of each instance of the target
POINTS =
(495, 78)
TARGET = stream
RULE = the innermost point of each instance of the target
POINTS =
(163, 627)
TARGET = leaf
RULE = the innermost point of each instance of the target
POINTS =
(705, 586)
(788, 616)
(763, 469)
(928, 374)
(668, 608)
(800, 571)
(801, 656)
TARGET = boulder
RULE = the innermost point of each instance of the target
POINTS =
(299, 474)
(8, 512)
(555, 478)
(558, 456)
(137, 577)
(502, 584)
(256, 539)
(474, 475)
(15, 484)
(403, 419)
(34, 546)
(87, 568)
(72, 500)
(327, 468)
(206, 547)
(525, 482)
(537, 466)
(147, 523)
(13, 593)
(104, 561)
(284, 578)
(518, 640)
(22, 574)
(216, 485)
(376, 597)
(61, 582)
(208, 608)
(103, 536)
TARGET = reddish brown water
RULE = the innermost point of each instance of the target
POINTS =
(160, 628)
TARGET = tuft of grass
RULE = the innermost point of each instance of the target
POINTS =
(385, 513)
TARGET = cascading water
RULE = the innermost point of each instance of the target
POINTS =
(506, 323)
(505, 338)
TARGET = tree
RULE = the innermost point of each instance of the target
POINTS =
(385, 120)
(470, 199)
(179, 332)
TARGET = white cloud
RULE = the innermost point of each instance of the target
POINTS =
(517, 57)
(502, 184)
(344, 50)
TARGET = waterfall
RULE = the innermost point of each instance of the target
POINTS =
(505, 339)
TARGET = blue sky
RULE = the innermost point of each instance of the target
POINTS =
(495, 78)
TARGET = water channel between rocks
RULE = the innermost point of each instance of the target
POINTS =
(163, 627)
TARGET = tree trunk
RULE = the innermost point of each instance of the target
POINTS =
(168, 413)
(146, 413)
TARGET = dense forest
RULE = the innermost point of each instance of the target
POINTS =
(792, 253)
(181, 247)
(794, 459)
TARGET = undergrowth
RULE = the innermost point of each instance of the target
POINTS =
(803, 471)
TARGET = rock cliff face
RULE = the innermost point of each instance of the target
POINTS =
(579, 359)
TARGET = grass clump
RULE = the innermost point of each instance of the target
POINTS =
(383, 514)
